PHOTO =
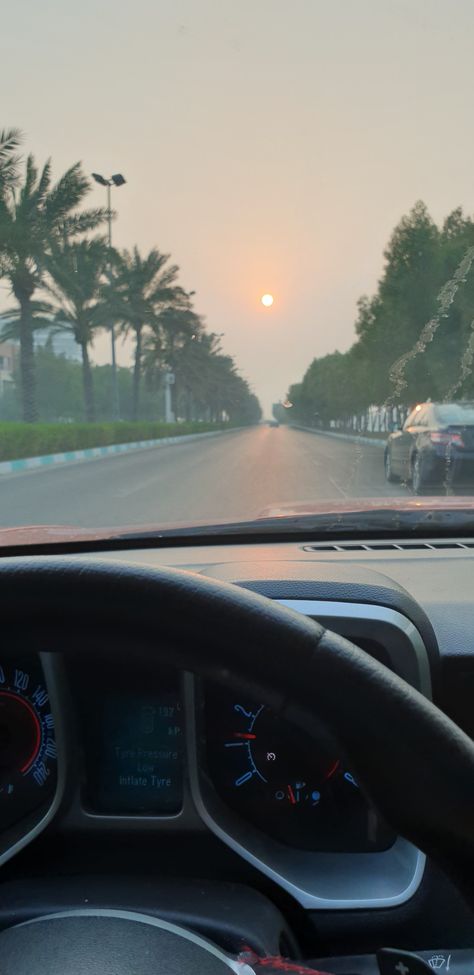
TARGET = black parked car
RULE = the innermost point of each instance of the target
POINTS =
(435, 445)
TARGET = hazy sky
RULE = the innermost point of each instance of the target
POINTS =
(268, 145)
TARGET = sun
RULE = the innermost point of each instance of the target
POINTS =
(267, 300)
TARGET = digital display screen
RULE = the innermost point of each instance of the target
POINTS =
(140, 758)
(133, 736)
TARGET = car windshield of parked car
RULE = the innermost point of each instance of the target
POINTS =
(236, 255)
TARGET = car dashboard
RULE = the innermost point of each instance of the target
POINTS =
(120, 752)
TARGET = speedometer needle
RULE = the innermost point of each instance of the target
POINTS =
(240, 734)
(291, 796)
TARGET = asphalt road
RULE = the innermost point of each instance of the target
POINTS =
(228, 477)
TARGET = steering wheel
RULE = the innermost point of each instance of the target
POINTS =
(414, 763)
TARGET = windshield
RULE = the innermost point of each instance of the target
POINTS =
(236, 255)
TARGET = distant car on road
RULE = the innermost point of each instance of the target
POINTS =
(434, 446)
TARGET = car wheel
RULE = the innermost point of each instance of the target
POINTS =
(389, 475)
(417, 474)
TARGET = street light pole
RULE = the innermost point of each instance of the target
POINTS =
(115, 389)
(116, 180)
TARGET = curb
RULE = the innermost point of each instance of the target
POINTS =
(351, 438)
(71, 456)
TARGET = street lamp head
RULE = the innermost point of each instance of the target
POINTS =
(117, 179)
(100, 179)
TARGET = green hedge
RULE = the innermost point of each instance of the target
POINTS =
(19, 440)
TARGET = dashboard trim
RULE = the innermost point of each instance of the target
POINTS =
(324, 609)
(322, 880)
(21, 837)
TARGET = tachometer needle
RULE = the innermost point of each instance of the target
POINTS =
(334, 768)
(291, 796)
(240, 734)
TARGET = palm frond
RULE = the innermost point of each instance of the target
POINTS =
(41, 317)
(165, 294)
(10, 141)
(44, 182)
(29, 183)
(37, 308)
(66, 195)
(81, 223)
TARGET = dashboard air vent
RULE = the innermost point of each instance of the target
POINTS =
(399, 546)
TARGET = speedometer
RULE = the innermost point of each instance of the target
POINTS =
(294, 789)
(28, 767)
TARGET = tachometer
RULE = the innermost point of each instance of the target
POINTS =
(28, 772)
(293, 789)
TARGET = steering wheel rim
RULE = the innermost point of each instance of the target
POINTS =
(228, 634)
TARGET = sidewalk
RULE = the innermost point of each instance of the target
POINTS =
(377, 441)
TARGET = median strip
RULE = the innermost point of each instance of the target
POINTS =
(88, 453)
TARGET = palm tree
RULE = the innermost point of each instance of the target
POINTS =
(169, 341)
(33, 217)
(76, 271)
(195, 362)
(140, 287)
(207, 384)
